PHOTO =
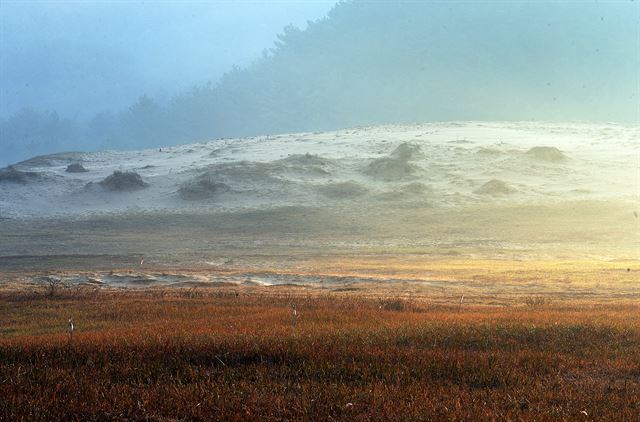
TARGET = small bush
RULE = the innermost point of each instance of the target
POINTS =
(202, 187)
(52, 284)
(76, 168)
(124, 181)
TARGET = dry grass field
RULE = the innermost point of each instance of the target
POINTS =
(181, 318)
(233, 353)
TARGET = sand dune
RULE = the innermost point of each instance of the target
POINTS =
(445, 164)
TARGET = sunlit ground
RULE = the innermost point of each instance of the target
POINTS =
(237, 354)
(499, 312)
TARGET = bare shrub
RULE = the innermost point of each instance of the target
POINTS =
(53, 284)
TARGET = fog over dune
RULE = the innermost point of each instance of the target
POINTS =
(364, 63)
(444, 165)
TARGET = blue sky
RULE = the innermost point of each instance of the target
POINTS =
(80, 57)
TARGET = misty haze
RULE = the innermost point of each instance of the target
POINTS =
(181, 74)
(320, 210)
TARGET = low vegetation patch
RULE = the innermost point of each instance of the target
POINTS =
(202, 187)
(124, 181)
(550, 154)
(12, 175)
(232, 355)
(76, 168)
(494, 187)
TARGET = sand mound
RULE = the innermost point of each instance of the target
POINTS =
(550, 154)
(406, 152)
(201, 187)
(305, 160)
(494, 187)
(12, 175)
(388, 168)
(76, 168)
(216, 152)
(488, 151)
(304, 163)
(396, 166)
(245, 172)
(415, 188)
(409, 192)
(52, 160)
(124, 181)
(343, 190)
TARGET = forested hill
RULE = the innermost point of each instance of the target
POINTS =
(377, 62)
(381, 62)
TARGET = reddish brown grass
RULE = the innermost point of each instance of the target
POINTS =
(225, 357)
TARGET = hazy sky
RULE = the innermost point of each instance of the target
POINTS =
(79, 57)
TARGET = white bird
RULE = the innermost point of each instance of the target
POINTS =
(70, 328)
(294, 318)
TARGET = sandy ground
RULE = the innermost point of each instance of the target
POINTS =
(448, 165)
(492, 256)
(498, 212)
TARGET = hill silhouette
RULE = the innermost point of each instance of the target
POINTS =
(381, 62)
(395, 62)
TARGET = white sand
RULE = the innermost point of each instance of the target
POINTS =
(451, 162)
